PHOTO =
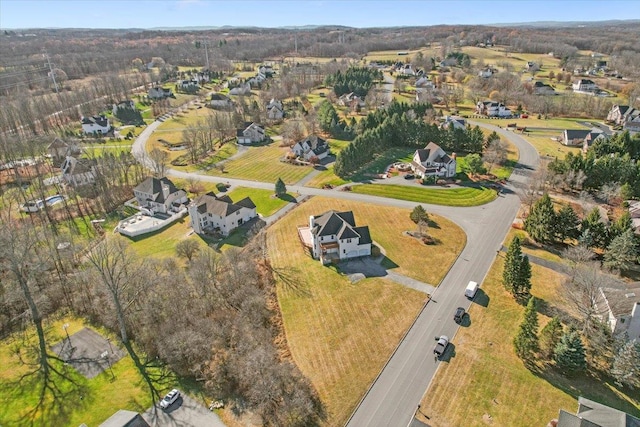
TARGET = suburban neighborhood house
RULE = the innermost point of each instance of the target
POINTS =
(159, 196)
(218, 100)
(159, 93)
(622, 307)
(455, 121)
(625, 116)
(334, 235)
(59, 150)
(594, 414)
(492, 109)
(251, 133)
(433, 161)
(95, 124)
(128, 104)
(581, 137)
(77, 172)
(209, 213)
(310, 147)
(540, 88)
(275, 110)
(351, 100)
(585, 86)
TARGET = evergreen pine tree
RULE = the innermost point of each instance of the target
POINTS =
(593, 224)
(512, 264)
(626, 365)
(570, 353)
(419, 214)
(622, 252)
(541, 222)
(526, 341)
(522, 285)
(566, 225)
(281, 189)
(550, 336)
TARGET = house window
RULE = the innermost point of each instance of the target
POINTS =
(344, 251)
(348, 240)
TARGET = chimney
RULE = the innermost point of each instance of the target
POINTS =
(454, 156)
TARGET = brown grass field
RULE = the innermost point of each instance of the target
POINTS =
(485, 383)
(341, 333)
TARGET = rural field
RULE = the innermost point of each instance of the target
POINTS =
(356, 325)
(492, 385)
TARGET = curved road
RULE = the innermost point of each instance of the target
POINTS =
(395, 394)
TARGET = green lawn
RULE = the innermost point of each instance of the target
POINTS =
(381, 161)
(466, 196)
(266, 204)
(326, 177)
(263, 164)
(162, 243)
(93, 402)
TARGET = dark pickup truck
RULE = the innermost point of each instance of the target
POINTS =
(441, 345)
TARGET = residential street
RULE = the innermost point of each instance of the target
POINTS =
(394, 396)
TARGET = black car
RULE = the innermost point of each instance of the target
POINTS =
(459, 315)
(409, 176)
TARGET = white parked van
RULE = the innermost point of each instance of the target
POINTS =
(471, 290)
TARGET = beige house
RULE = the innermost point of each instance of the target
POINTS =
(211, 214)
(250, 134)
(622, 307)
(159, 196)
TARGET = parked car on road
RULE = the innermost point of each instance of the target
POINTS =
(170, 398)
(459, 315)
(441, 345)
(409, 176)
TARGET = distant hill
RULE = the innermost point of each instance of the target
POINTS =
(567, 24)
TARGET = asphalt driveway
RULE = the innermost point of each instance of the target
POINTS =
(185, 412)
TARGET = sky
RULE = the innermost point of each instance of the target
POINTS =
(266, 13)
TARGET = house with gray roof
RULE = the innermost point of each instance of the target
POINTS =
(251, 132)
(622, 311)
(580, 137)
(159, 195)
(311, 146)
(212, 214)
(594, 414)
(79, 171)
(125, 418)
(433, 161)
(334, 235)
(95, 125)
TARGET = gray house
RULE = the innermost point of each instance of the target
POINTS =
(594, 414)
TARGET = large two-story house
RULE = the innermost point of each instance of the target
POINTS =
(159, 195)
(213, 214)
(625, 116)
(95, 125)
(585, 86)
(250, 133)
(78, 172)
(310, 147)
(275, 110)
(621, 311)
(334, 235)
(433, 161)
(492, 109)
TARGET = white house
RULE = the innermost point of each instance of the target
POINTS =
(622, 311)
(311, 146)
(485, 73)
(159, 196)
(406, 70)
(350, 100)
(159, 93)
(275, 109)
(433, 161)
(209, 213)
(584, 85)
(78, 172)
(188, 85)
(334, 235)
(95, 125)
(218, 100)
(251, 133)
(493, 109)
(594, 414)
(424, 82)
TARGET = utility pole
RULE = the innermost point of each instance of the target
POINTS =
(51, 73)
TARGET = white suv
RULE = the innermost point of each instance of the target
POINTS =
(171, 397)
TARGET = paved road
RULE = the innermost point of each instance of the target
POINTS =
(395, 394)
(394, 397)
